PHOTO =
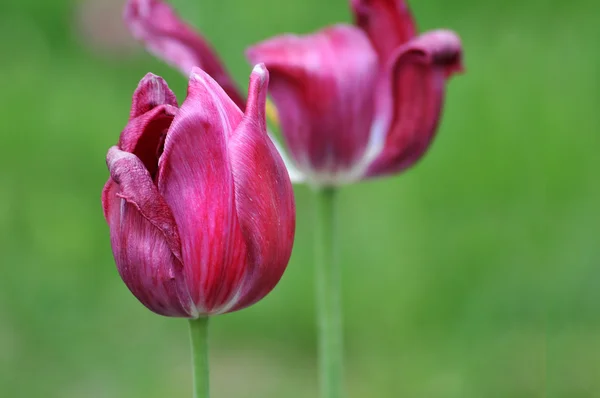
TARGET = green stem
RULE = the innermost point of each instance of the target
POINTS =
(328, 291)
(199, 338)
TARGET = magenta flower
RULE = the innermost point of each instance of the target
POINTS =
(353, 101)
(199, 203)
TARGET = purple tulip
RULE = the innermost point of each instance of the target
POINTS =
(199, 203)
(354, 102)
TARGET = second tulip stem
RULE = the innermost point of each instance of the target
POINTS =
(328, 289)
(199, 339)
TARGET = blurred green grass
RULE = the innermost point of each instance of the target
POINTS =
(475, 274)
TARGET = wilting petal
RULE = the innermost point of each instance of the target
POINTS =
(323, 87)
(388, 23)
(151, 92)
(417, 78)
(144, 135)
(144, 237)
(196, 181)
(264, 199)
(165, 35)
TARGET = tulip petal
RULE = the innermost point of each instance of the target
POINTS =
(196, 181)
(264, 199)
(151, 92)
(411, 112)
(388, 23)
(155, 23)
(144, 237)
(323, 87)
(145, 134)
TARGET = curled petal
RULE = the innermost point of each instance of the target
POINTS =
(144, 237)
(151, 92)
(388, 23)
(264, 198)
(155, 23)
(196, 181)
(417, 78)
(144, 135)
(137, 188)
(323, 87)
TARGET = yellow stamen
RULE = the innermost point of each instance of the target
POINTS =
(272, 115)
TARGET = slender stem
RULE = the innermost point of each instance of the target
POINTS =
(328, 291)
(199, 338)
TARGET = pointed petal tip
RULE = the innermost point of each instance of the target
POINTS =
(149, 76)
(195, 71)
(201, 82)
(152, 91)
(260, 71)
(259, 79)
(199, 74)
(257, 99)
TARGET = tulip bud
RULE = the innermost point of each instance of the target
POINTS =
(199, 203)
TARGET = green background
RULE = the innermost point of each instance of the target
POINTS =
(474, 274)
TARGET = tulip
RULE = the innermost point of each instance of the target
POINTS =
(354, 102)
(359, 102)
(199, 203)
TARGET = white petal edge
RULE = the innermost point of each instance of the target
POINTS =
(296, 176)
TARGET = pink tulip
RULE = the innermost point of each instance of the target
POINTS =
(354, 102)
(199, 203)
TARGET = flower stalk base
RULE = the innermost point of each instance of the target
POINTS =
(199, 339)
(328, 289)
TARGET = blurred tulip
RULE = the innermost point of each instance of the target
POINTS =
(360, 101)
(353, 101)
(199, 204)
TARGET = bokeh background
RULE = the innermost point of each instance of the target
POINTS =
(475, 274)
